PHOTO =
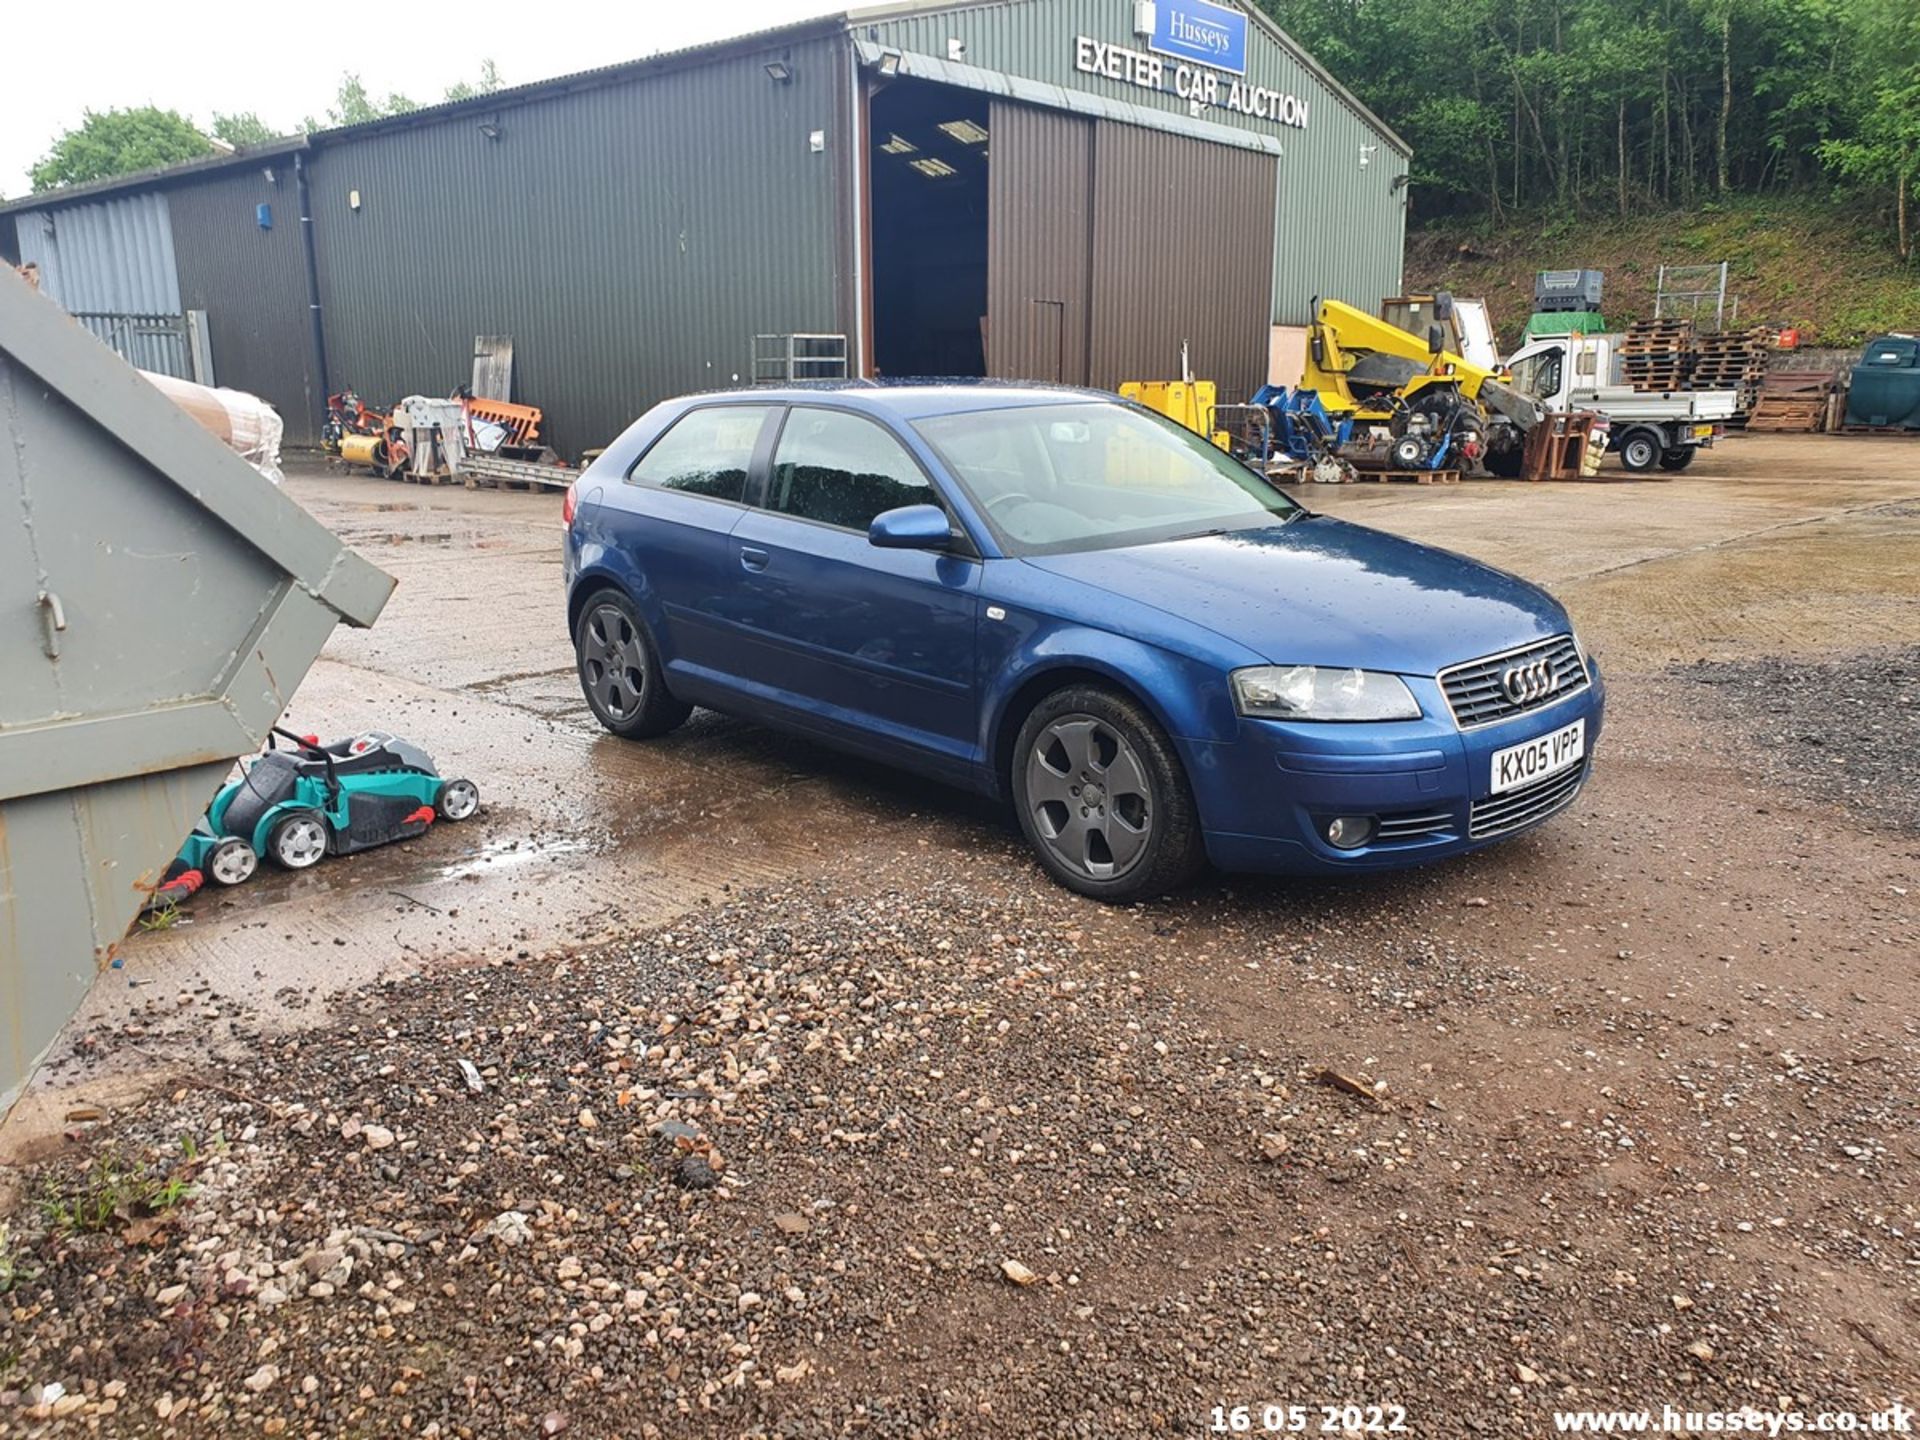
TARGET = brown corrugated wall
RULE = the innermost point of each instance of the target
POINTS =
(1039, 251)
(1110, 244)
(1182, 251)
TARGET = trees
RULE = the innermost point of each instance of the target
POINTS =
(242, 130)
(1883, 150)
(353, 105)
(1632, 104)
(488, 82)
(119, 142)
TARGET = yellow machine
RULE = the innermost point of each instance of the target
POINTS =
(1186, 402)
(1356, 361)
(1377, 374)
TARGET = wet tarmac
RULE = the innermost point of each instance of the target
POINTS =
(1768, 545)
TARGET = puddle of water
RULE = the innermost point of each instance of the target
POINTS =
(497, 856)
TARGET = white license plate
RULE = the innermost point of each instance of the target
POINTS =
(1538, 758)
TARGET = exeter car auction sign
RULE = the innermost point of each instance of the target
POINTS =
(1201, 88)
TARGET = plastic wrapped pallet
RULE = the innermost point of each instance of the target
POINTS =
(244, 423)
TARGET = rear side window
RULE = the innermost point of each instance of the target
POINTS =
(706, 452)
(840, 469)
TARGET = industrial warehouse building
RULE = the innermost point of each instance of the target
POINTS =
(1059, 190)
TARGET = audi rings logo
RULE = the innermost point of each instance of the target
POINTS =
(1527, 681)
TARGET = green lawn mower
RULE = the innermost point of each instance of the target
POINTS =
(295, 806)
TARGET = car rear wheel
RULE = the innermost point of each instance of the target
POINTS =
(620, 670)
(1102, 797)
(299, 840)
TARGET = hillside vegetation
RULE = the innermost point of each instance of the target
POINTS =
(1822, 268)
(1631, 107)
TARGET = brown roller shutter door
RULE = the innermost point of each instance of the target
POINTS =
(1039, 244)
(1110, 244)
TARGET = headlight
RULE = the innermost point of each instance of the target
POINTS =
(1319, 692)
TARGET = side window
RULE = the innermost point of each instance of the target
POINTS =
(706, 452)
(841, 469)
(1539, 375)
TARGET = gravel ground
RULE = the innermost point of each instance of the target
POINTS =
(1846, 729)
(963, 1156)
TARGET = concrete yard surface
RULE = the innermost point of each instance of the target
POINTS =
(796, 1101)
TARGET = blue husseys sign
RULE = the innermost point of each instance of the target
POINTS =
(1198, 30)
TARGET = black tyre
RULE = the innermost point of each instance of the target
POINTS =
(1640, 450)
(1678, 459)
(457, 800)
(1102, 797)
(620, 670)
(298, 840)
(1506, 463)
(1409, 453)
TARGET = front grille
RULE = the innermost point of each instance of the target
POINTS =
(1476, 696)
(1502, 814)
(1412, 825)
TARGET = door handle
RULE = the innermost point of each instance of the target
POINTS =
(753, 557)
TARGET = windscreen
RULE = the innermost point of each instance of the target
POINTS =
(1084, 475)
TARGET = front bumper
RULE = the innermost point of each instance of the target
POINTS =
(1266, 796)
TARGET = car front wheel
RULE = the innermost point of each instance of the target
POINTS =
(1102, 797)
(620, 670)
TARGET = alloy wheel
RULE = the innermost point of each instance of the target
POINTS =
(613, 661)
(1090, 799)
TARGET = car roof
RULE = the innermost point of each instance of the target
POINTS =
(916, 399)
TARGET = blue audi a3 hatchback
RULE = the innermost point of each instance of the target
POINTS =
(1062, 599)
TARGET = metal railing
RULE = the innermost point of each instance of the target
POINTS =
(783, 359)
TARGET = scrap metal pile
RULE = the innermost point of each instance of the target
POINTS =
(464, 438)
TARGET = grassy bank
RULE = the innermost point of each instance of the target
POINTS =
(1828, 270)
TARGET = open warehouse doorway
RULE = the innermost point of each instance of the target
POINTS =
(929, 163)
(1023, 242)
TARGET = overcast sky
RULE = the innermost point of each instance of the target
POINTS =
(284, 61)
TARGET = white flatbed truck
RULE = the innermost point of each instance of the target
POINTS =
(1646, 429)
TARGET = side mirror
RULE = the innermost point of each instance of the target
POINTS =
(1436, 339)
(911, 527)
(1443, 306)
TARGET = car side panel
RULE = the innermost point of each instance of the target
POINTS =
(879, 639)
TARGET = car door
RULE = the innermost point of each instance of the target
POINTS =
(856, 637)
(681, 500)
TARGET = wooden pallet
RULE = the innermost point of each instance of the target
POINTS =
(1845, 429)
(1410, 477)
(1786, 417)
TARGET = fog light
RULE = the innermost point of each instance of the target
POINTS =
(1349, 832)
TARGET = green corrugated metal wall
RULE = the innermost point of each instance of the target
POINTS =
(253, 285)
(631, 238)
(1341, 228)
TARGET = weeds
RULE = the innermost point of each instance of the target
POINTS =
(9, 1266)
(111, 1191)
(165, 917)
